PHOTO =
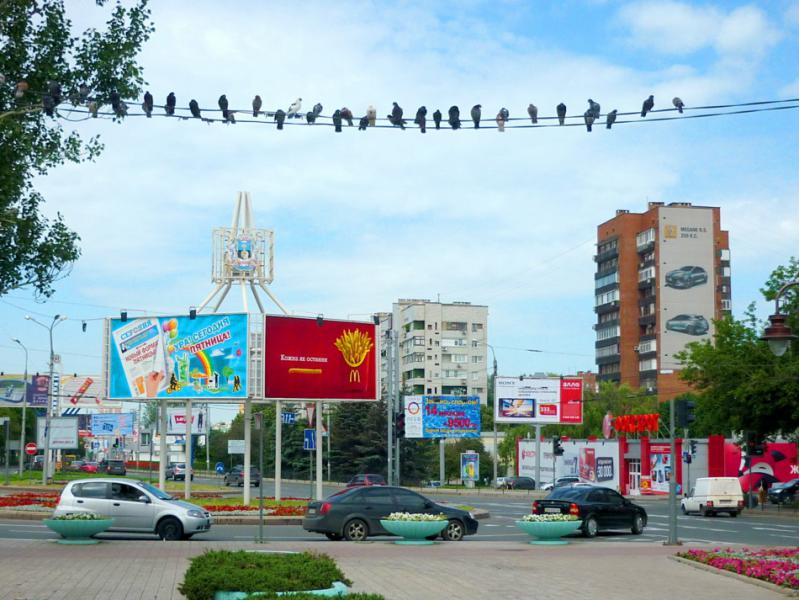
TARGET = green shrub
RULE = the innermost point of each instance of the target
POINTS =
(241, 571)
(358, 596)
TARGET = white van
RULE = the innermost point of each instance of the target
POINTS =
(713, 495)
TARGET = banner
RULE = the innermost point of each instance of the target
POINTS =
(63, 433)
(593, 462)
(442, 416)
(539, 400)
(176, 421)
(116, 425)
(12, 390)
(470, 466)
(319, 359)
(178, 357)
(84, 391)
(660, 468)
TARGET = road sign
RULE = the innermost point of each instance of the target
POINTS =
(220, 467)
(235, 446)
(30, 448)
(309, 440)
(289, 418)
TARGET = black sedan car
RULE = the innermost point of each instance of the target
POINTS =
(519, 483)
(599, 508)
(784, 493)
(354, 513)
(236, 476)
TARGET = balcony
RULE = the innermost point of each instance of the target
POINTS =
(645, 320)
(649, 282)
(606, 255)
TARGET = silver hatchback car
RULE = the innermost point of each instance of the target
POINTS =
(135, 506)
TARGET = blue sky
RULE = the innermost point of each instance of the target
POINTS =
(361, 219)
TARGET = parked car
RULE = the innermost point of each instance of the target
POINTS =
(783, 493)
(113, 467)
(686, 277)
(500, 482)
(354, 513)
(713, 495)
(236, 476)
(366, 479)
(135, 506)
(177, 472)
(89, 467)
(75, 465)
(519, 483)
(690, 324)
(38, 462)
(560, 481)
(599, 508)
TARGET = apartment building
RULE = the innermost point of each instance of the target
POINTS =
(441, 347)
(662, 277)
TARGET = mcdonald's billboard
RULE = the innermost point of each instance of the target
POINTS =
(319, 359)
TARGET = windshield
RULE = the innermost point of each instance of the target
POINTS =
(155, 491)
(566, 493)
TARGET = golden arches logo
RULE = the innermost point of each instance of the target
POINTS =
(354, 345)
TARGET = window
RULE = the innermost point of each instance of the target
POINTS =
(646, 274)
(605, 333)
(611, 350)
(418, 341)
(459, 358)
(726, 304)
(648, 364)
(607, 279)
(725, 254)
(430, 327)
(607, 297)
(91, 490)
(408, 501)
(450, 373)
(128, 493)
(607, 246)
(475, 344)
(377, 495)
(454, 326)
(477, 327)
(609, 316)
(725, 271)
(645, 237)
(609, 369)
(477, 359)
(607, 265)
(647, 346)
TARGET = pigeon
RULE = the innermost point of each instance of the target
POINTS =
(115, 100)
(561, 108)
(310, 116)
(195, 109)
(317, 109)
(48, 104)
(421, 119)
(54, 90)
(74, 98)
(122, 109)
(147, 105)
(256, 105)
(649, 103)
(294, 108)
(437, 118)
(532, 110)
(501, 121)
(678, 103)
(84, 91)
(346, 114)
(93, 109)
(594, 108)
(505, 113)
(371, 114)
(454, 117)
(19, 91)
(363, 123)
(280, 117)
(337, 120)
(589, 119)
(476, 112)
(611, 118)
(231, 116)
(396, 116)
(223, 104)
(170, 103)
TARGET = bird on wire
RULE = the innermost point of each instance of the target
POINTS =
(115, 100)
(363, 123)
(294, 108)
(257, 103)
(310, 117)
(337, 120)
(280, 117)
(476, 114)
(48, 105)
(395, 118)
(84, 91)
(611, 118)
(223, 106)
(561, 110)
(170, 103)
(532, 110)
(678, 104)
(454, 117)
(54, 91)
(594, 108)
(146, 105)
(648, 105)
(92, 106)
(589, 119)
(371, 115)
(505, 114)
(500, 121)
(421, 119)
(346, 114)
(194, 108)
(437, 118)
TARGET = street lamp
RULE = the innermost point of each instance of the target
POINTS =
(46, 467)
(778, 334)
(24, 406)
(494, 419)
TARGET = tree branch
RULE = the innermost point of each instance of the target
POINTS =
(21, 111)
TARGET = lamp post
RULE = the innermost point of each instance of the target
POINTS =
(494, 419)
(778, 334)
(24, 406)
(46, 467)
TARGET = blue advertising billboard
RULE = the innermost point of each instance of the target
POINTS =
(112, 424)
(442, 416)
(178, 357)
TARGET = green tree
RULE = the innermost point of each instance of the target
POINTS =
(39, 53)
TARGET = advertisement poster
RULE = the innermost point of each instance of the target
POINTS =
(176, 421)
(118, 424)
(63, 433)
(660, 468)
(179, 357)
(539, 400)
(442, 416)
(686, 274)
(593, 462)
(84, 391)
(777, 464)
(319, 359)
(470, 466)
(12, 390)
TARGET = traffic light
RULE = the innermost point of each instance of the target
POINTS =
(399, 425)
(557, 449)
(693, 447)
(753, 443)
(684, 412)
(686, 457)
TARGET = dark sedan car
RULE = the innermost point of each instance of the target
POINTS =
(784, 493)
(599, 508)
(112, 467)
(686, 277)
(355, 513)
(519, 483)
(236, 476)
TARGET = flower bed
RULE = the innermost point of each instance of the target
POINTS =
(416, 517)
(548, 518)
(779, 566)
(29, 499)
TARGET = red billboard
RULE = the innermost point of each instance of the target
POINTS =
(319, 359)
(571, 400)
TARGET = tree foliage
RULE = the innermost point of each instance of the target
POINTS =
(38, 50)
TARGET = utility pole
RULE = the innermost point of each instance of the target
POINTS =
(390, 404)
(672, 541)
(496, 435)
(24, 406)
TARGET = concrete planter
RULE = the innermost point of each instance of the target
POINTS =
(414, 532)
(77, 531)
(338, 589)
(548, 532)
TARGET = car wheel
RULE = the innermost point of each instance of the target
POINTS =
(454, 531)
(638, 525)
(170, 529)
(356, 530)
(590, 527)
(333, 537)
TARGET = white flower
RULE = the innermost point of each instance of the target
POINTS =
(404, 516)
(547, 518)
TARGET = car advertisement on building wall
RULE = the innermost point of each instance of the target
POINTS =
(543, 400)
(85, 392)
(442, 417)
(319, 359)
(592, 462)
(687, 280)
(178, 357)
(777, 464)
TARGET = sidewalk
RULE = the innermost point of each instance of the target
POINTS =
(143, 570)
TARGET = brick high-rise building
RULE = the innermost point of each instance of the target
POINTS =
(662, 277)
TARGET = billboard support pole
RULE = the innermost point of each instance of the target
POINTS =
(538, 458)
(187, 473)
(441, 469)
(319, 468)
(162, 447)
(390, 409)
(247, 453)
(278, 448)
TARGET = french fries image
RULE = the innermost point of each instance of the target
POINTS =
(354, 345)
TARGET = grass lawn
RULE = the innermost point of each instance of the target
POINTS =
(34, 478)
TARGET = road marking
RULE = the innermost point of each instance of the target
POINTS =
(491, 525)
(24, 525)
(790, 537)
(789, 527)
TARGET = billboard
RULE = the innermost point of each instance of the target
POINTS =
(12, 389)
(84, 391)
(319, 359)
(117, 424)
(686, 278)
(593, 462)
(470, 466)
(539, 400)
(442, 416)
(63, 432)
(176, 421)
(178, 357)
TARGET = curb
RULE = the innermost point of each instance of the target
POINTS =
(750, 580)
